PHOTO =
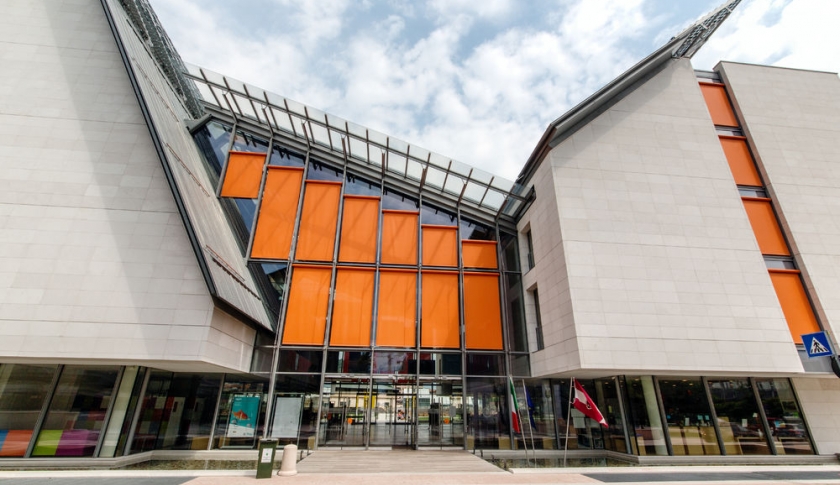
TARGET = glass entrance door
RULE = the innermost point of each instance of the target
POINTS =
(344, 411)
(440, 413)
(392, 414)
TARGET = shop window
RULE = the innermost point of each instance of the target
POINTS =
(23, 389)
(787, 427)
(646, 419)
(487, 413)
(76, 415)
(242, 401)
(738, 417)
(690, 424)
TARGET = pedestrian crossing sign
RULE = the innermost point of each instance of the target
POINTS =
(816, 344)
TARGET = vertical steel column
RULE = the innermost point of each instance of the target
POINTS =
(216, 412)
(768, 435)
(36, 430)
(281, 323)
(620, 397)
(109, 411)
(418, 315)
(721, 444)
(138, 408)
(661, 405)
(375, 311)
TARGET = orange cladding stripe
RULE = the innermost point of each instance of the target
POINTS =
(765, 227)
(243, 175)
(482, 311)
(399, 237)
(276, 219)
(798, 313)
(316, 235)
(352, 307)
(440, 245)
(359, 225)
(397, 309)
(439, 325)
(718, 104)
(740, 161)
(306, 315)
(479, 254)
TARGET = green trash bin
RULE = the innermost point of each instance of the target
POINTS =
(265, 459)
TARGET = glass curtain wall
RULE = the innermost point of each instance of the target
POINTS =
(689, 418)
(787, 428)
(741, 429)
(23, 389)
(583, 432)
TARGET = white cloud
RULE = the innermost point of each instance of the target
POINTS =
(476, 81)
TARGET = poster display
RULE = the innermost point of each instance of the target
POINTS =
(286, 417)
(244, 411)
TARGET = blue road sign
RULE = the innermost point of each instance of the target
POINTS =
(816, 344)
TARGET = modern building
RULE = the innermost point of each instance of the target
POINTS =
(188, 262)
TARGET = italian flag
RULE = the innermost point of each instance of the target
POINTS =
(514, 407)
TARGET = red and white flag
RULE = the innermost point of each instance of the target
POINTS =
(584, 404)
(514, 407)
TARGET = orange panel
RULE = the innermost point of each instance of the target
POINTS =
(316, 234)
(718, 104)
(397, 309)
(795, 305)
(243, 175)
(276, 219)
(352, 307)
(740, 161)
(765, 227)
(359, 226)
(439, 325)
(306, 315)
(399, 237)
(16, 442)
(440, 245)
(479, 254)
(482, 311)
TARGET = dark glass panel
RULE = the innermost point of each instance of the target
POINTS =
(393, 200)
(520, 365)
(537, 414)
(213, 140)
(584, 432)
(485, 364)
(487, 413)
(432, 364)
(292, 360)
(394, 363)
(23, 389)
(515, 309)
(356, 185)
(177, 412)
(282, 156)
(76, 416)
(343, 362)
(787, 427)
(247, 209)
(271, 279)
(321, 171)
(738, 419)
(689, 417)
(476, 231)
(246, 142)
(240, 392)
(510, 252)
(647, 422)
(430, 214)
(263, 353)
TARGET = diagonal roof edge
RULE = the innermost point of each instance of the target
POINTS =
(683, 45)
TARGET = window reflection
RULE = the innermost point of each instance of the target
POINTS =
(647, 423)
(787, 427)
(690, 425)
(737, 412)
(23, 389)
(487, 413)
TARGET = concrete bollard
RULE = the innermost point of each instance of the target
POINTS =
(288, 467)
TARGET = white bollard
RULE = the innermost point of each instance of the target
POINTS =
(288, 466)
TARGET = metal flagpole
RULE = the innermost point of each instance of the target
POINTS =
(530, 425)
(568, 418)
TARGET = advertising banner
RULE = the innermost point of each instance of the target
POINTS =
(244, 411)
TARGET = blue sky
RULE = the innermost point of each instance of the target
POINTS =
(477, 81)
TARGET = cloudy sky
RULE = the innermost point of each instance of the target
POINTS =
(474, 80)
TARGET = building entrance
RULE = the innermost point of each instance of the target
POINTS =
(440, 413)
(393, 411)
